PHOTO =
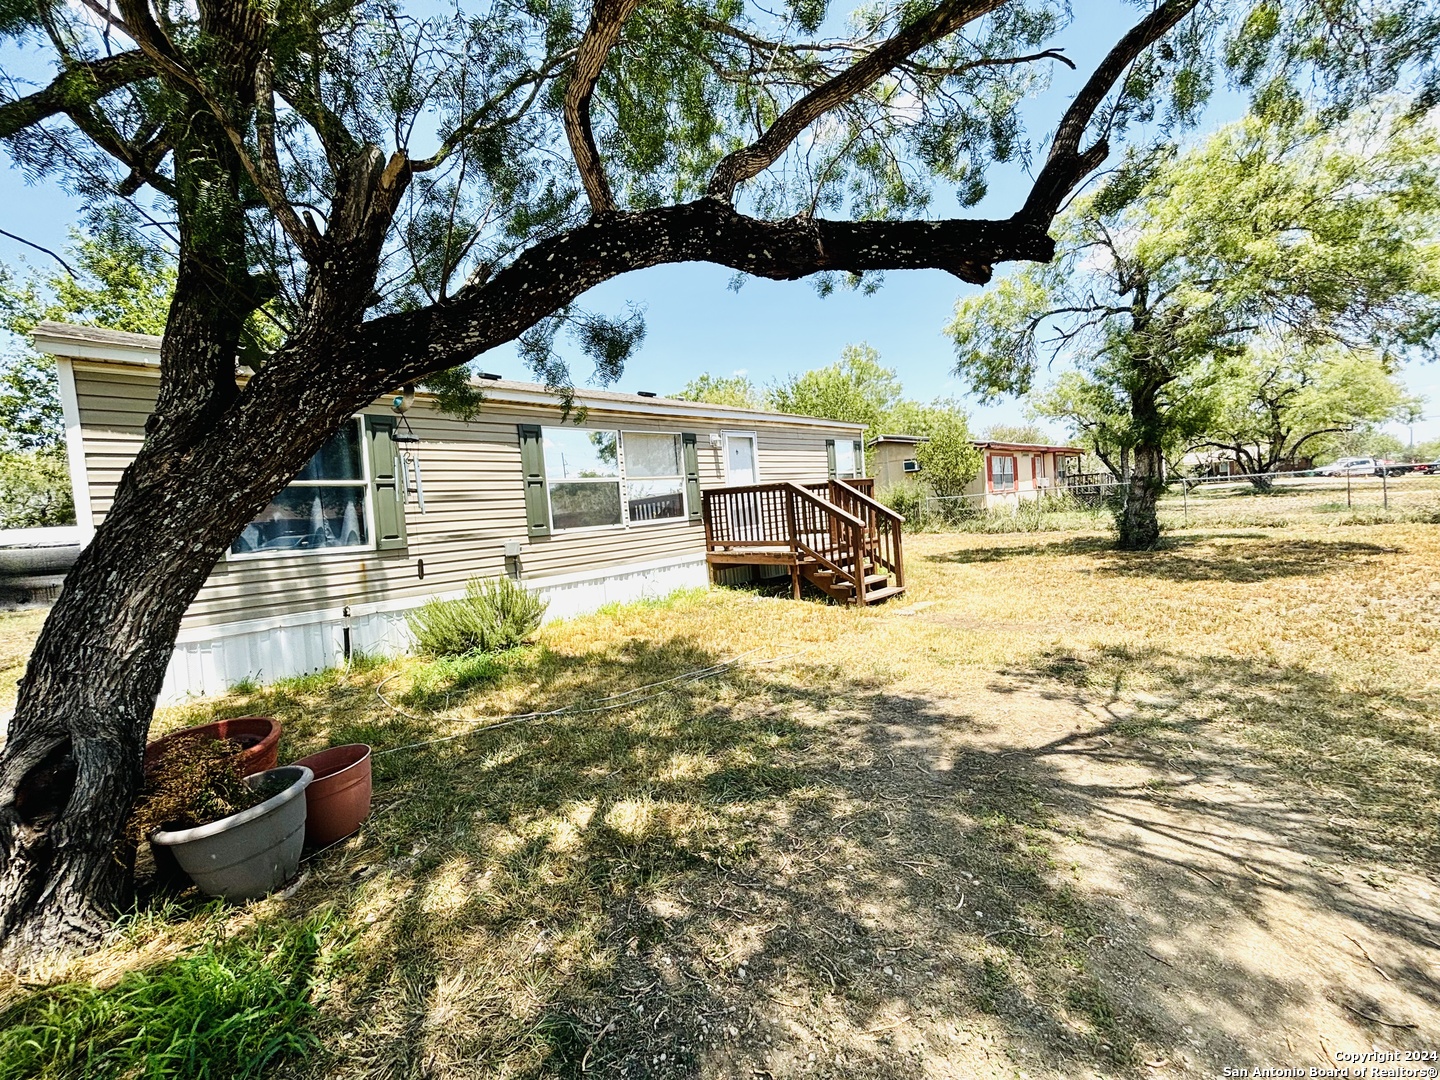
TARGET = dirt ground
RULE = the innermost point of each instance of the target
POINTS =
(1058, 812)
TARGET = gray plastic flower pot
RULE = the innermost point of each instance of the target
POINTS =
(250, 853)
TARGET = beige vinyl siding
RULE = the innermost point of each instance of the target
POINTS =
(114, 404)
(474, 501)
(789, 453)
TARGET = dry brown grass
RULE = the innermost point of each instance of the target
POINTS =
(18, 630)
(1059, 812)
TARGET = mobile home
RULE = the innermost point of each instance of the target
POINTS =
(398, 508)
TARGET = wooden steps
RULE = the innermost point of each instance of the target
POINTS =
(847, 545)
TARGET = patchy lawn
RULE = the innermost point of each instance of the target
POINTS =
(1058, 812)
(18, 630)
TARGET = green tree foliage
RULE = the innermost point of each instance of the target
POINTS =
(860, 389)
(948, 459)
(119, 283)
(35, 489)
(1277, 227)
(1273, 406)
(1366, 440)
(733, 390)
(857, 388)
(1422, 451)
(1018, 433)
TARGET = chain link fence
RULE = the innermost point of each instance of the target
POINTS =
(1268, 498)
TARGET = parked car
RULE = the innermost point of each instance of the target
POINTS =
(1428, 468)
(1394, 468)
(1349, 466)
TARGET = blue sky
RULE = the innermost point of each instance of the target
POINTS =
(695, 323)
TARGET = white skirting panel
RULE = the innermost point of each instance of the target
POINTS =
(210, 660)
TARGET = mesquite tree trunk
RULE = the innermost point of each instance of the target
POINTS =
(1137, 521)
(71, 769)
(1138, 525)
(212, 460)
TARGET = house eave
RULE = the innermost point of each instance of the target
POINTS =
(143, 351)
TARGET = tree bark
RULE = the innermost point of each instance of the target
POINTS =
(1138, 523)
(72, 767)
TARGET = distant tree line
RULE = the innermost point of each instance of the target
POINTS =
(1254, 296)
(108, 279)
(860, 389)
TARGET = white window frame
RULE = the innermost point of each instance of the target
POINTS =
(625, 479)
(725, 436)
(618, 480)
(366, 480)
(1014, 460)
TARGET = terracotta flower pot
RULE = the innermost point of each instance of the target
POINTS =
(251, 853)
(259, 735)
(338, 799)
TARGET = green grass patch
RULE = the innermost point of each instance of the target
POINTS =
(438, 681)
(231, 1008)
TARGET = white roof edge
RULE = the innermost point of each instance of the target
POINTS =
(121, 347)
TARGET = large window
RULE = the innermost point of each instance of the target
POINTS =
(323, 508)
(582, 469)
(654, 477)
(601, 478)
(1002, 473)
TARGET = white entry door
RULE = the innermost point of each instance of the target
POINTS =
(740, 460)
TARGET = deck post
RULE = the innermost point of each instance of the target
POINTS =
(709, 534)
(790, 531)
(857, 545)
(897, 532)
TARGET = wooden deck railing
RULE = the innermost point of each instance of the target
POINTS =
(771, 518)
(882, 525)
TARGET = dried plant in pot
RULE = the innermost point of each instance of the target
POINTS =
(236, 837)
(258, 738)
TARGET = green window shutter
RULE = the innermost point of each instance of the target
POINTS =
(830, 453)
(859, 458)
(692, 475)
(532, 465)
(389, 507)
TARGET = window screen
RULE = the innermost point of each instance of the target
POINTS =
(323, 508)
(654, 477)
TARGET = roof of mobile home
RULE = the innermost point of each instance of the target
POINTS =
(143, 350)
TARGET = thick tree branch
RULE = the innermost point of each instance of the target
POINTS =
(600, 37)
(932, 71)
(754, 159)
(1067, 163)
(243, 32)
(554, 272)
(76, 87)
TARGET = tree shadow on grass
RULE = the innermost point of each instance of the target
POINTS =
(748, 870)
(1193, 557)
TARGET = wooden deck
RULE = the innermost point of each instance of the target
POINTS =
(834, 535)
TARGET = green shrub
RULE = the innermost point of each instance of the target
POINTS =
(923, 512)
(236, 1007)
(35, 489)
(494, 614)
